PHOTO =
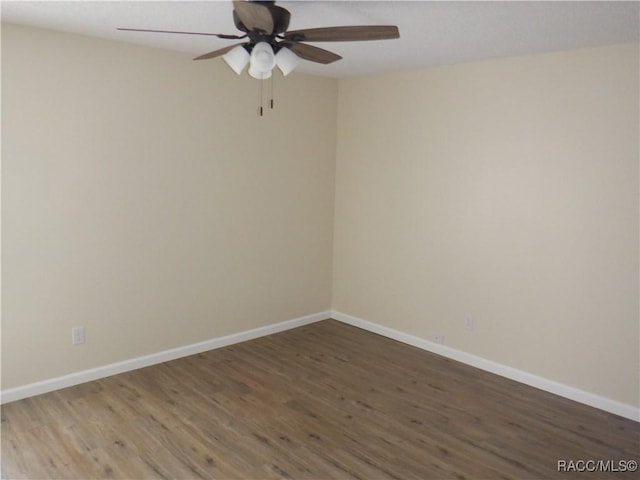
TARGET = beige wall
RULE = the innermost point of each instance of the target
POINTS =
(506, 189)
(144, 199)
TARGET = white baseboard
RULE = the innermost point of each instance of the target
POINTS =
(72, 379)
(572, 393)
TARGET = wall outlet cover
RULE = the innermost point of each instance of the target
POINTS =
(78, 335)
(468, 321)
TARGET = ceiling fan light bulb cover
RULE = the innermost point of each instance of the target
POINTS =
(258, 74)
(237, 58)
(287, 61)
(262, 58)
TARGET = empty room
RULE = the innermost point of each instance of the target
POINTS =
(320, 240)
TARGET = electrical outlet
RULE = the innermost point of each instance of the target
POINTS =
(78, 335)
(468, 321)
(438, 339)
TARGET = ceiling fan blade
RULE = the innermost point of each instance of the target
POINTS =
(344, 34)
(311, 53)
(219, 35)
(217, 53)
(281, 18)
(254, 16)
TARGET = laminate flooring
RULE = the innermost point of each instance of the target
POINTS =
(323, 401)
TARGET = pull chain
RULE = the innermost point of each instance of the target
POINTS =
(271, 101)
(260, 88)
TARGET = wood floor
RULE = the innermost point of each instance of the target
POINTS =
(322, 401)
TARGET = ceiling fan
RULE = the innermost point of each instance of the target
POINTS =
(270, 44)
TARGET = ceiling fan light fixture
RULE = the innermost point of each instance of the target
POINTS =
(262, 59)
(237, 58)
(287, 61)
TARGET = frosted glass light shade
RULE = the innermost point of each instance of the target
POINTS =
(262, 60)
(257, 74)
(237, 58)
(287, 61)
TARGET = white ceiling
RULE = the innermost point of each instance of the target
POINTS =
(431, 33)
